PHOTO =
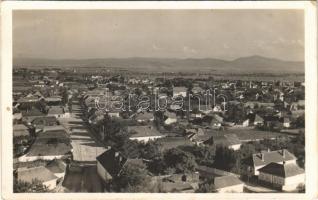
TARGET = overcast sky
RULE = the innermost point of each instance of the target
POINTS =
(225, 34)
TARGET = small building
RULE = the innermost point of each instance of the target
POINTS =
(229, 140)
(145, 117)
(228, 184)
(20, 130)
(262, 159)
(144, 133)
(179, 91)
(40, 122)
(40, 173)
(258, 120)
(286, 177)
(171, 118)
(58, 112)
(109, 164)
(285, 122)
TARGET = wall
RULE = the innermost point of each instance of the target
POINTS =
(102, 172)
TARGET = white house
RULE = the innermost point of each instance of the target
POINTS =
(265, 157)
(144, 133)
(170, 118)
(286, 177)
(179, 91)
(145, 117)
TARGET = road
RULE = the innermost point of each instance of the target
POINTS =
(85, 150)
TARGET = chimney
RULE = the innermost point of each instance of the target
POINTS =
(283, 153)
(268, 150)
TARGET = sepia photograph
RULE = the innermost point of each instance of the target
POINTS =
(160, 101)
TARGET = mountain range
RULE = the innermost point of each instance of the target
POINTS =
(251, 64)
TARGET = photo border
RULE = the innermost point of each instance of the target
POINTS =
(311, 146)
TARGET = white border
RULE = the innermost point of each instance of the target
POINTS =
(310, 81)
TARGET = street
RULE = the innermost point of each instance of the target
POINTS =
(85, 150)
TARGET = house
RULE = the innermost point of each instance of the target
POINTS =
(40, 122)
(179, 91)
(144, 133)
(53, 100)
(229, 140)
(52, 143)
(285, 122)
(145, 117)
(109, 164)
(170, 118)
(183, 183)
(246, 123)
(258, 120)
(197, 90)
(262, 159)
(20, 130)
(286, 177)
(40, 173)
(29, 115)
(57, 167)
(58, 112)
(228, 184)
(47, 149)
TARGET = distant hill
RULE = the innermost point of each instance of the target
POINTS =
(251, 64)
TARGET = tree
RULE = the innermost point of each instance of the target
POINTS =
(133, 177)
(149, 150)
(204, 155)
(34, 186)
(225, 158)
(206, 187)
(180, 160)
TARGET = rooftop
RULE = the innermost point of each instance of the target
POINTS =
(272, 156)
(226, 181)
(282, 170)
(143, 131)
(41, 173)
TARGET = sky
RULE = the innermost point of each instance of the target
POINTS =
(223, 34)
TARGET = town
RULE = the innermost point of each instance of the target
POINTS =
(248, 137)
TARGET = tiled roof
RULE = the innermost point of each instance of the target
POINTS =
(112, 161)
(56, 166)
(226, 181)
(56, 110)
(282, 170)
(44, 147)
(45, 120)
(20, 130)
(41, 173)
(272, 156)
(143, 131)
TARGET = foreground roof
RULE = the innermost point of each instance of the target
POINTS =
(282, 170)
(40, 173)
(226, 181)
